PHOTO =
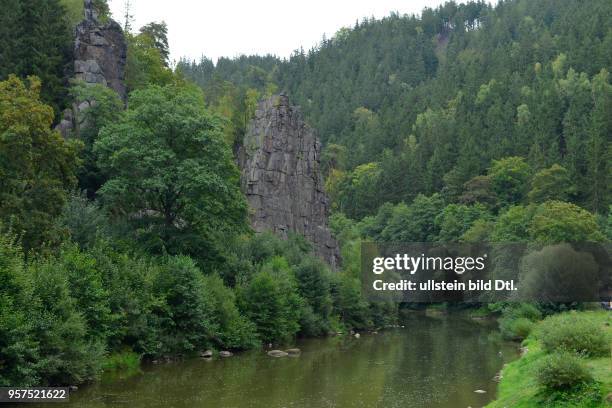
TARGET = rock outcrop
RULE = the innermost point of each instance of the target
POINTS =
(100, 56)
(100, 52)
(280, 162)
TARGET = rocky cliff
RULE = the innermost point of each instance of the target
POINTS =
(100, 56)
(281, 176)
(100, 52)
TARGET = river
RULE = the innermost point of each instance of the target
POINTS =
(432, 362)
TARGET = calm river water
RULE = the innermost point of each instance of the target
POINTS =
(433, 362)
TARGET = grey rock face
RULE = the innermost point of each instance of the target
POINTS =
(100, 52)
(100, 56)
(280, 162)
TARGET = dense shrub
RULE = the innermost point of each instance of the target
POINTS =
(516, 328)
(312, 278)
(17, 348)
(561, 371)
(272, 302)
(183, 311)
(568, 332)
(517, 320)
(67, 352)
(234, 331)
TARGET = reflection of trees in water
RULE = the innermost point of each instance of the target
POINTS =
(432, 362)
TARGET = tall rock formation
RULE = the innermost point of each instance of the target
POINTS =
(280, 162)
(100, 52)
(100, 56)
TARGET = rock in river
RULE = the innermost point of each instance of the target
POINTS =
(277, 353)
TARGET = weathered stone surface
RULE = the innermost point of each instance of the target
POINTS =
(281, 178)
(100, 52)
(100, 56)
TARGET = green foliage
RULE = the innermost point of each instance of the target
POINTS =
(355, 193)
(513, 225)
(84, 220)
(272, 302)
(313, 282)
(562, 371)
(17, 347)
(518, 319)
(182, 311)
(36, 40)
(67, 354)
(413, 223)
(234, 330)
(557, 273)
(550, 184)
(556, 221)
(456, 219)
(74, 12)
(146, 64)
(170, 174)
(516, 329)
(36, 164)
(158, 33)
(509, 179)
(125, 361)
(104, 108)
(570, 332)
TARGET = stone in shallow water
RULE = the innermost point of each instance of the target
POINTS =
(277, 353)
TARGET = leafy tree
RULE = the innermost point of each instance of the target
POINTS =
(513, 225)
(234, 331)
(104, 108)
(182, 313)
(271, 301)
(17, 346)
(456, 219)
(86, 286)
(550, 184)
(145, 63)
(313, 286)
(557, 222)
(67, 355)
(170, 175)
(479, 190)
(413, 223)
(158, 32)
(509, 178)
(36, 164)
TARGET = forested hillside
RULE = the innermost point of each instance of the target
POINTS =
(421, 104)
(129, 238)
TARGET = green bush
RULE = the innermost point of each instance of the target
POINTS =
(516, 329)
(182, 313)
(518, 320)
(18, 349)
(568, 332)
(68, 354)
(126, 361)
(562, 371)
(234, 330)
(272, 302)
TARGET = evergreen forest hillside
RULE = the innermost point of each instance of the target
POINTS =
(129, 240)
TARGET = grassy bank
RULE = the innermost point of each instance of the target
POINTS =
(522, 386)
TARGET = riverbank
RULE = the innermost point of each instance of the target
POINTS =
(520, 388)
(430, 362)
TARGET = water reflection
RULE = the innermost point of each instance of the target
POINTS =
(431, 362)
